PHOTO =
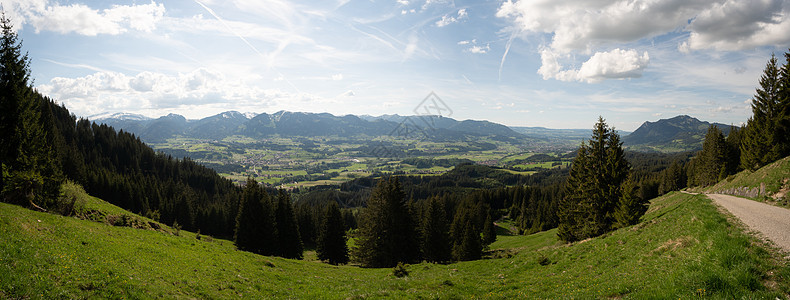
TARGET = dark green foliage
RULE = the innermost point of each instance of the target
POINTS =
(710, 161)
(435, 237)
(331, 246)
(489, 231)
(467, 244)
(593, 189)
(287, 228)
(631, 207)
(400, 270)
(673, 178)
(386, 231)
(256, 230)
(30, 173)
(764, 138)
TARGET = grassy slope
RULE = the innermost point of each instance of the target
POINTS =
(684, 248)
(776, 177)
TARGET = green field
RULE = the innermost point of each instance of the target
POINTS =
(309, 161)
(684, 248)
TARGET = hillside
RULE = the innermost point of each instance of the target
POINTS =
(770, 183)
(681, 133)
(684, 248)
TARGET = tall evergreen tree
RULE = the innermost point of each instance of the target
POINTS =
(287, 228)
(782, 147)
(29, 172)
(255, 225)
(489, 231)
(331, 244)
(435, 239)
(593, 189)
(630, 207)
(468, 245)
(761, 142)
(710, 164)
(387, 233)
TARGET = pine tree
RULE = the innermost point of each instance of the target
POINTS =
(468, 246)
(331, 245)
(29, 173)
(287, 229)
(489, 231)
(710, 164)
(255, 226)
(782, 146)
(435, 239)
(630, 207)
(762, 143)
(387, 233)
(593, 188)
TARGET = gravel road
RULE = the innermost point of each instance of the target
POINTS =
(773, 222)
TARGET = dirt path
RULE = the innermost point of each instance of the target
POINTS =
(773, 222)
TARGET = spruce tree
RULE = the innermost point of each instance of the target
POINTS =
(593, 189)
(489, 231)
(331, 244)
(630, 207)
(387, 233)
(710, 164)
(435, 239)
(762, 142)
(29, 173)
(468, 245)
(255, 228)
(287, 229)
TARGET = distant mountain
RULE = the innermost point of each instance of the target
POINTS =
(286, 123)
(681, 133)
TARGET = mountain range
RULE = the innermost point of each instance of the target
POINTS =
(681, 133)
(286, 123)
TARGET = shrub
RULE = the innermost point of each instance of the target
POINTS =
(400, 270)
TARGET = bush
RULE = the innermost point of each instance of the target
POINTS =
(400, 270)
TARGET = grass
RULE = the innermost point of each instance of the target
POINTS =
(684, 248)
(775, 177)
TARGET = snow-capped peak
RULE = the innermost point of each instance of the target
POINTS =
(118, 116)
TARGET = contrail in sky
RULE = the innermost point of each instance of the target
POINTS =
(211, 11)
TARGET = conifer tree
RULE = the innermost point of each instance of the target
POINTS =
(468, 245)
(630, 207)
(489, 231)
(331, 244)
(255, 228)
(710, 163)
(435, 239)
(287, 229)
(761, 142)
(387, 233)
(593, 188)
(29, 173)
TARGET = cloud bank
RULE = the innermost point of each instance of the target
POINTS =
(582, 27)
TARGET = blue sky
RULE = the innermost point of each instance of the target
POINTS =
(550, 63)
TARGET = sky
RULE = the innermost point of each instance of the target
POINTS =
(547, 63)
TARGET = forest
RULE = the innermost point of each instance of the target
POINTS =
(392, 219)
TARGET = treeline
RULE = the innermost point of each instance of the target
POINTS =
(764, 139)
(42, 144)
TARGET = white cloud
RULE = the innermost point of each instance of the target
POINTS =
(582, 26)
(84, 20)
(337, 77)
(738, 25)
(403, 2)
(149, 91)
(478, 49)
(447, 19)
(718, 24)
(615, 64)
